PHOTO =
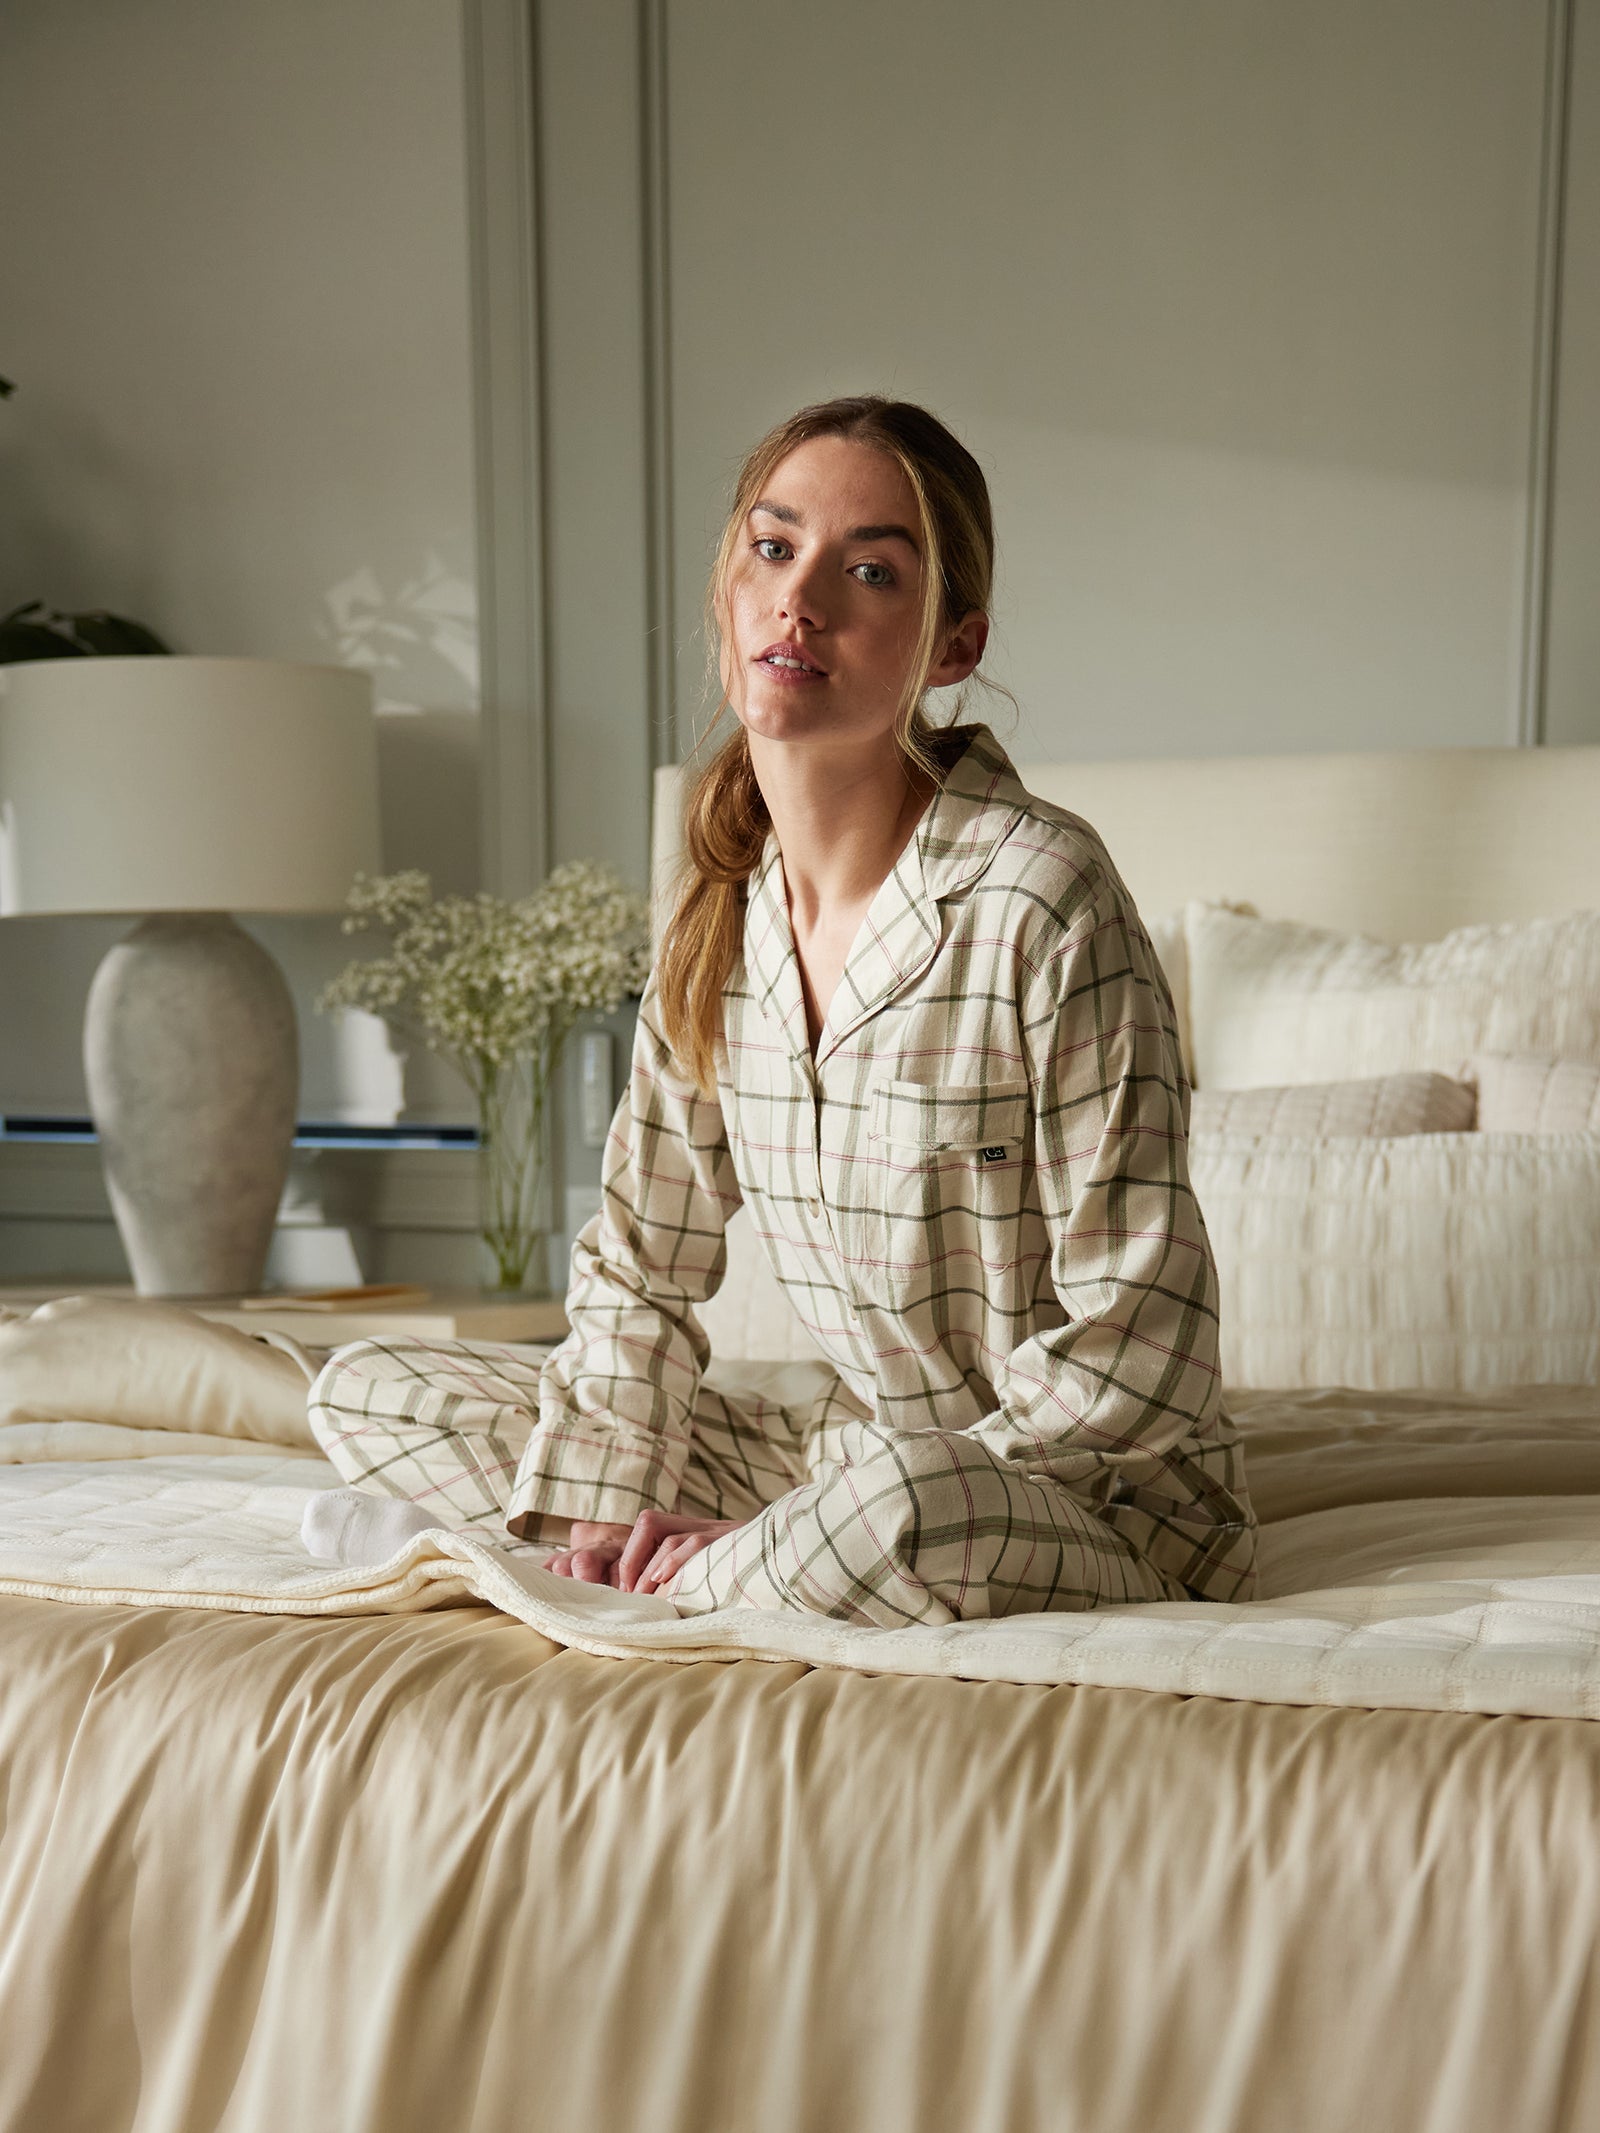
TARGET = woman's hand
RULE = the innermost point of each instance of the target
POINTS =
(661, 1543)
(637, 1558)
(592, 1552)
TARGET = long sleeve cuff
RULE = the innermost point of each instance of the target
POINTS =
(581, 1466)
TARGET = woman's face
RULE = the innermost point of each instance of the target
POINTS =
(823, 602)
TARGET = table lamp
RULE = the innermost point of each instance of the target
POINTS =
(184, 790)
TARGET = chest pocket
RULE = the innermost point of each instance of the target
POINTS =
(947, 1176)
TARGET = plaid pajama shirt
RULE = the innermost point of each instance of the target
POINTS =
(976, 1195)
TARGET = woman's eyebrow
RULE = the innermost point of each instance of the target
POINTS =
(882, 533)
(790, 517)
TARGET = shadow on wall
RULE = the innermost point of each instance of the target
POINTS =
(419, 643)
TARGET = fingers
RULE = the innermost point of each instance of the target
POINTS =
(639, 1558)
(670, 1558)
(650, 1528)
(591, 1566)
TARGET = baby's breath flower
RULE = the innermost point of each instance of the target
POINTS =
(489, 982)
(496, 987)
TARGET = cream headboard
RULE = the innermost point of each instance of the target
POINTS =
(1402, 847)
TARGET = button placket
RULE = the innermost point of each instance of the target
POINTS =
(818, 1206)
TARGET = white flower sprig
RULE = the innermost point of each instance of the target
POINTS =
(486, 981)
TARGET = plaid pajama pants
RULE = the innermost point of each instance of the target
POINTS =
(840, 1516)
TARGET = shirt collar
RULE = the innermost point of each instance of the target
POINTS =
(975, 809)
(978, 806)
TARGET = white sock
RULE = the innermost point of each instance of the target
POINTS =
(348, 1526)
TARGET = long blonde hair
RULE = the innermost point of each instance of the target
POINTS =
(725, 818)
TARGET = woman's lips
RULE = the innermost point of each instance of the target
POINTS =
(788, 665)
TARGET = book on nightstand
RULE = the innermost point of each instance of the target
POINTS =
(373, 1292)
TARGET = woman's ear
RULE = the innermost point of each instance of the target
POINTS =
(963, 648)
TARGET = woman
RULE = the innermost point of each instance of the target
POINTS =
(907, 1015)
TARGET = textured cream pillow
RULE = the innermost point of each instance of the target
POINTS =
(1536, 1094)
(1443, 1260)
(1172, 953)
(1385, 1106)
(1274, 1002)
(148, 1366)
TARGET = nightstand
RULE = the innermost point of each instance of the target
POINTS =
(446, 1314)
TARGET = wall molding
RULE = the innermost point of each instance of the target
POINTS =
(1528, 712)
(656, 266)
(506, 253)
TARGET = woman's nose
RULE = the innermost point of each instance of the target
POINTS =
(800, 597)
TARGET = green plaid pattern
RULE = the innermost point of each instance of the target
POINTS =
(890, 1527)
(838, 1514)
(976, 1196)
(444, 1423)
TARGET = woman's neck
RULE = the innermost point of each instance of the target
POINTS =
(842, 820)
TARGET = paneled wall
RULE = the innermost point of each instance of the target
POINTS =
(1233, 301)
(1573, 708)
(235, 264)
(1249, 310)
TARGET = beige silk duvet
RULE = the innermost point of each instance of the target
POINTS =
(391, 1870)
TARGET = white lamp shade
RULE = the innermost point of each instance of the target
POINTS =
(174, 784)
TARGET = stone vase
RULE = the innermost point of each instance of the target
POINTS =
(192, 1058)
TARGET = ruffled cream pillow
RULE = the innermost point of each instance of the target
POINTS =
(1437, 1260)
(149, 1366)
(1273, 1002)
(1170, 942)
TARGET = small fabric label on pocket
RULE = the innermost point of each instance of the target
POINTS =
(993, 1155)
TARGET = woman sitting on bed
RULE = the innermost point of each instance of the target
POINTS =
(906, 1014)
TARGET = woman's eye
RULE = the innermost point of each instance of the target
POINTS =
(874, 573)
(766, 542)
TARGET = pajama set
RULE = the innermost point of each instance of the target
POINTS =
(976, 1195)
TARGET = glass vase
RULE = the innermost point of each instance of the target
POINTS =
(510, 1172)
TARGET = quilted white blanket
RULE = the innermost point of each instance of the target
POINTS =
(1401, 1567)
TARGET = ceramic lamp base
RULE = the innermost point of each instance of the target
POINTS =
(192, 1058)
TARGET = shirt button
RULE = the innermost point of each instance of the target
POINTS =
(814, 1210)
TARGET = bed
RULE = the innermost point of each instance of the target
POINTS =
(434, 1845)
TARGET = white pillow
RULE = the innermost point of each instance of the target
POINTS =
(1172, 953)
(1386, 1106)
(1536, 1094)
(1168, 939)
(1444, 1260)
(148, 1366)
(1271, 1001)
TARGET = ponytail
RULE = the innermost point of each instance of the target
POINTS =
(724, 832)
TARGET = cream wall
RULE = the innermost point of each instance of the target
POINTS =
(1234, 302)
